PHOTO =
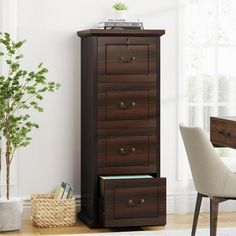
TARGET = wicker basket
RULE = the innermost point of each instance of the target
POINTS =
(48, 212)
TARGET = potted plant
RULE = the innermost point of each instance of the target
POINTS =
(20, 92)
(120, 11)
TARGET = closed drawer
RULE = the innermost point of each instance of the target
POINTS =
(116, 105)
(223, 132)
(127, 154)
(126, 59)
(133, 202)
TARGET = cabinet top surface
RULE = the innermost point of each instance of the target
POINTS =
(106, 32)
(227, 118)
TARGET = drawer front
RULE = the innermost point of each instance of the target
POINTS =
(133, 202)
(127, 154)
(126, 105)
(223, 132)
(126, 59)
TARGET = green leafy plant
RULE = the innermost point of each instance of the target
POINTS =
(20, 92)
(120, 6)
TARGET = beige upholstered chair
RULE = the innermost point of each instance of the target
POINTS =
(211, 176)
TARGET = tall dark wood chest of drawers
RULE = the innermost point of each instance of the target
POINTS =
(120, 128)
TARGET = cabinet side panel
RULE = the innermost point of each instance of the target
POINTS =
(88, 130)
(158, 95)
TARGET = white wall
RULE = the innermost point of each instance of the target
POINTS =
(50, 28)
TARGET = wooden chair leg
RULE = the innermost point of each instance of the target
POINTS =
(214, 205)
(196, 213)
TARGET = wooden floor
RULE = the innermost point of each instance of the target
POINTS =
(173, 222)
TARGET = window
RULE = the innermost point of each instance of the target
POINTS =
(207, 65)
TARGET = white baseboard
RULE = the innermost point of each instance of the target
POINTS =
(181, 203)
(177, 203)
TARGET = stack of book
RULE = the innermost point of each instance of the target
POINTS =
(124, 25)
(64, 191)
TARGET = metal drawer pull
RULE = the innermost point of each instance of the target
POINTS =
(127, 104)
(132, 203)
(127, 151)
(127, 41)
(141, 201)
(225, 134)
(124, 60)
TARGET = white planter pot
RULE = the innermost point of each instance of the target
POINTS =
(11, 212)
(120, 14)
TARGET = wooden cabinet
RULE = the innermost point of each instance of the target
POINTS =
(120, 128)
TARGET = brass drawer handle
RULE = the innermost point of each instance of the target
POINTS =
(125, 60)
(127, 151)
(225, 134)
(132, 203)
(127, 104)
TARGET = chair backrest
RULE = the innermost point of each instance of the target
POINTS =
(208, 170)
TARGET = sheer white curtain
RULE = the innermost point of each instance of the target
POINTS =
(207, 66)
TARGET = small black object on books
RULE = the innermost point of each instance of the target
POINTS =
(121, 25)
(64, 191)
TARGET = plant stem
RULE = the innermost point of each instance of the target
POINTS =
(8, 180)
(12, 154)
(8, 157)
(19, 105)
(8, 154)
(8, 142)
(0, 159)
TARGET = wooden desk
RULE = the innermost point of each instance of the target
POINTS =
(223, 131)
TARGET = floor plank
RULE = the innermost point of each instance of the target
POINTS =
(183, 221)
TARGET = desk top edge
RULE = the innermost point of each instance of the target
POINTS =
(226, 118)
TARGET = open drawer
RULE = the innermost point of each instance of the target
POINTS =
(132, 201)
